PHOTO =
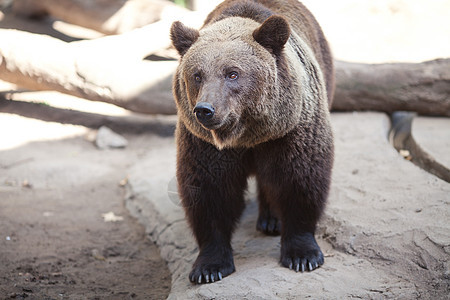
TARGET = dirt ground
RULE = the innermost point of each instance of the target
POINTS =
(56, 239)
(64, 230)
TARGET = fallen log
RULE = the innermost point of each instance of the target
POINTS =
(111, 69)
(420, 87)
(105, 16)
(39, 62)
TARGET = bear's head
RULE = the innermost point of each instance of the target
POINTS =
(228, 85)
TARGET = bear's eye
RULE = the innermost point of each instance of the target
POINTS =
(233, 75)
(197, 77)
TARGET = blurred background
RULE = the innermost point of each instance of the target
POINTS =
(359, 30)
(57, 183)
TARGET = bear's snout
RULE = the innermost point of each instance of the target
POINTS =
(204, 112)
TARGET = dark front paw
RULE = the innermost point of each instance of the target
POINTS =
(211, 268)
(268, 224)
(301, 253)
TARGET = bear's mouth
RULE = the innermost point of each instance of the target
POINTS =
(227, 134)
(212, 125)
(218, 122)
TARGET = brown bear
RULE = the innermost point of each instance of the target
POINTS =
(253, 89)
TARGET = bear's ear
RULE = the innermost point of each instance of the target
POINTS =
(273, 34)
(182, 37)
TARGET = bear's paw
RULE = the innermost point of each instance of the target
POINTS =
(301, 253)
(268, 224)
(211, 267)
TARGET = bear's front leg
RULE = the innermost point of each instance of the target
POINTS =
(295, 180)
(211, 185)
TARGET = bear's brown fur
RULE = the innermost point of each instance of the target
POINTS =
(253, 89)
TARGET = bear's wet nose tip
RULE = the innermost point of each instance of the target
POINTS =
(204, 112)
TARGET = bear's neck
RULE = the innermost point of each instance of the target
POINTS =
(310, 79)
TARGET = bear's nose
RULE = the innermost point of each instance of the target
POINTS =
(204, 112)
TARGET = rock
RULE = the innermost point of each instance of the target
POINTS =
(384, 233)
(106, 138)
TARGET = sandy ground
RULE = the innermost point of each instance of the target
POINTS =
(64, 231)
(57, 189)
(384, 233)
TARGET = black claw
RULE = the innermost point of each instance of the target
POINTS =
(303, 267)
(296, 264)
(220, 276)
(212, 277)
(310, 267)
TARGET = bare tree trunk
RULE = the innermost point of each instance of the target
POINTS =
(111, 69)
(105, 16)
(423, 88)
